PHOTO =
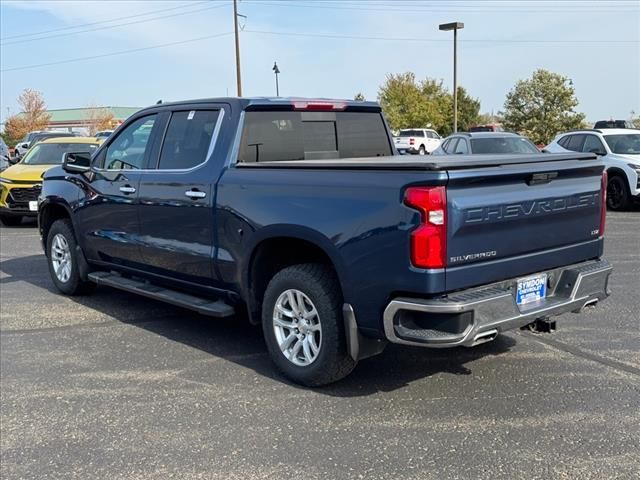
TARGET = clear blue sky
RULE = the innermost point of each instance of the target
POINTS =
(595, 43)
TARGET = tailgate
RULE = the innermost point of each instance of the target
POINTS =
(401, 142)
(512, 220)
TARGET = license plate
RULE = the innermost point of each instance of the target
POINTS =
(531, 289)
(33, 205)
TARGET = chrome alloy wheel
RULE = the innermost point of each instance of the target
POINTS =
(61, 258)
(296, 324)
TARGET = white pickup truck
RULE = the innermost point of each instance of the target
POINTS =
(417, 140)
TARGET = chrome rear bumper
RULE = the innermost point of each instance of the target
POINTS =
(471, 317)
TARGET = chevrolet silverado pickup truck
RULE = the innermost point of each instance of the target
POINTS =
(298, 213)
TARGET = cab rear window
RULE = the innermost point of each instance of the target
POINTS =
(280, 136)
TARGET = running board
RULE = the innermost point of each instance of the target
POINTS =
(203, 306)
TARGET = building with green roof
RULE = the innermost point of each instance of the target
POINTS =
(73, 119)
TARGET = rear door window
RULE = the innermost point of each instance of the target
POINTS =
(564, 141)
(280, 136)
(187, 140)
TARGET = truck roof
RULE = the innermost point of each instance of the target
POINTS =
(274, 102)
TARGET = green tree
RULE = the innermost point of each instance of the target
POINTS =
(404, 103)
(468, 112)
(542, 106)
(408, 103)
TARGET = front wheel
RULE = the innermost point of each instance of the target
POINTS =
(11, 220)
(303, 326)
(618, 195)
(62, 259)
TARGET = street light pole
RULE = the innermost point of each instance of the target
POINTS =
(276, 70)
(455, 80)
(455, 26)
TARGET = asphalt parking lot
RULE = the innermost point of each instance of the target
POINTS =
(115, 386)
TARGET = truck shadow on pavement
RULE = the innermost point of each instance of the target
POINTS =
(235, 340)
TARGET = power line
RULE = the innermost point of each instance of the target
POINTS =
(466, 9)
(127, 17)
(323, 35)
(436, 40)
(111, 54)
(112, 26)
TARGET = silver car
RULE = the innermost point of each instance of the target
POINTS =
(4, 155)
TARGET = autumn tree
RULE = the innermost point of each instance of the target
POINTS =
(542, 106)
(98, 118)
(33, 116)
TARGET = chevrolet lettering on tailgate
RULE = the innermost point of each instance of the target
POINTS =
(531, 208)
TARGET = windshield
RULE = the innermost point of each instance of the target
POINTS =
(503, 145)
(625, 144)
(411, 133)
(51, 153)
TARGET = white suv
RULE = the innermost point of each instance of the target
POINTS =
(417, 140)
(620, 151)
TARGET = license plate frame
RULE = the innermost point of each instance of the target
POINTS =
(33, 205)
(532, 288)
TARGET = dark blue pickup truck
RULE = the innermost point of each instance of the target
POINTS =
(299, 213)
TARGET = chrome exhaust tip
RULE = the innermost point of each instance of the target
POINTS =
(484, 337)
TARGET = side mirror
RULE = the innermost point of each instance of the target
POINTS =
(598, 151)
(76, 162)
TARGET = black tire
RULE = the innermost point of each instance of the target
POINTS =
(74, 285)
(11, 220)
(321, 286)
(618, 194)
(422, 151)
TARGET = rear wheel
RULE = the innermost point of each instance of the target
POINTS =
(303, 326)
(618, 195)
(422, 151)
(62, 259)
(11, 220)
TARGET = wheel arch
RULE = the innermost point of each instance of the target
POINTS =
(617, 171)
(277, 247)
(48, 212)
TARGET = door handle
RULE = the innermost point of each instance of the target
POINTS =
(195, 194)
(127, 189)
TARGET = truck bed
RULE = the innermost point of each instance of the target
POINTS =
(402, 162)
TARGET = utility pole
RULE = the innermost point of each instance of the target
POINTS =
(235, 27)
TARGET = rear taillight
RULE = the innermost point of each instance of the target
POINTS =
(603, 202)
(412, 141)
(429, 240)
